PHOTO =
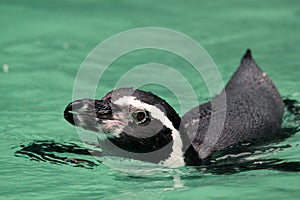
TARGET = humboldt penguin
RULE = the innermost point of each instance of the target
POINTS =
(140, 125)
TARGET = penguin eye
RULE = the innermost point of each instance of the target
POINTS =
(140, 117)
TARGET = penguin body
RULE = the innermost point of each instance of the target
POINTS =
(254, 110)
(143, 126)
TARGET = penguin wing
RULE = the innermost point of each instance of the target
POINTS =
(253, 110)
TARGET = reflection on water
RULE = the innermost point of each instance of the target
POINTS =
(50, 151)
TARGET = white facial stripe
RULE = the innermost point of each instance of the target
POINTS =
(176, 157)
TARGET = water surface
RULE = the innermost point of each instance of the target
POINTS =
(43, 44)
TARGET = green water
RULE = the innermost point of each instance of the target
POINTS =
(43, 44)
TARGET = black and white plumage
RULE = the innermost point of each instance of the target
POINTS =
(145, 127)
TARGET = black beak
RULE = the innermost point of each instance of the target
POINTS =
(87, 112)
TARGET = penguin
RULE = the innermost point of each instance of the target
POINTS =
(142, 126)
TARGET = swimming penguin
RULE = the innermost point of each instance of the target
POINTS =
(142, 126)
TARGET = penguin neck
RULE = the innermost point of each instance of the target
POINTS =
(154, 149)
(170, 148)
(131, 143)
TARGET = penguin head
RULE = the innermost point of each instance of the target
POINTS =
(134, 120)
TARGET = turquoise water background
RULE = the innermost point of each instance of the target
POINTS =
(43, 44)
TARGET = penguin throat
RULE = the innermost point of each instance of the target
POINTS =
(163, 148)
(135, 144)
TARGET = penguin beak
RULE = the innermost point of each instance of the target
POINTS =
(88, 113)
